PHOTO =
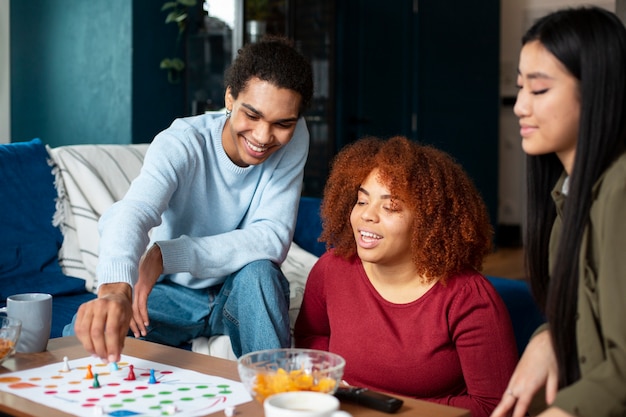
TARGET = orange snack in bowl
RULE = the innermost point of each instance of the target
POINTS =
(6, 346)
(296, 380)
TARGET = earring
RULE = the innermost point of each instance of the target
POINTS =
(228, 112)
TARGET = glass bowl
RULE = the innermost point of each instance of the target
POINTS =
(10, 329)
(268, 372)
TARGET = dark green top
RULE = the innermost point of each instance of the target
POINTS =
(601, 318)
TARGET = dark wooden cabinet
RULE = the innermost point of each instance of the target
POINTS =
(312, 24)
(428, 70)
(425, 69)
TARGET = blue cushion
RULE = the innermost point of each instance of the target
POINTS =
(29, 241)
(63, 309)
(525, 315)
(309, 226)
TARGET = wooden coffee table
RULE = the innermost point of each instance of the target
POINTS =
(71, 347)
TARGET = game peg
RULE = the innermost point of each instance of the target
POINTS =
(229, 411)
(131, 373)
(89, 373)
(96, 383)
(152, 379)
(113, 367)
(66, 364)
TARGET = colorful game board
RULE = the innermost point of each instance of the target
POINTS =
(132, 387)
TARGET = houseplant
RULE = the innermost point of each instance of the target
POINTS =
(178, 12)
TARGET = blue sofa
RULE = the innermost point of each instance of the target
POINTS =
(30, 243)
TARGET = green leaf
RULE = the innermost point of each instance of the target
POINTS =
(181, 17)
(172, 17)
(168, 5)
(173, 64)
(188, 3)
(178, 64)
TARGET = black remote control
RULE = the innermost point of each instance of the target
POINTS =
(370, 399)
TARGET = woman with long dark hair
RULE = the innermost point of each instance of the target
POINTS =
(571, 107)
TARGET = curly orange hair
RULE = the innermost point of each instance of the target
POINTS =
(451, 228)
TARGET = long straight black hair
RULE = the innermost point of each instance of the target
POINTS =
(591, 43)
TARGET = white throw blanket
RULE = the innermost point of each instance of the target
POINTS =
(89, 179)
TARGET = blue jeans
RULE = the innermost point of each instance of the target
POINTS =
(251, 307)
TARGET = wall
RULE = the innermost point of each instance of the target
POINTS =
(71, 71)
(5, 93)
(88, 72)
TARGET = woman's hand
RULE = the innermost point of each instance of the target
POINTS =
(536, 369)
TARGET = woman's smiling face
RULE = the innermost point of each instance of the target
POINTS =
(381, 225)
(548, 105)
(263, 120)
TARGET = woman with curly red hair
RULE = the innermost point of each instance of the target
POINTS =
(398, 293)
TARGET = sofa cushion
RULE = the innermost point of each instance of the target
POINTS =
(29, 241)
(63, 309)
(309, 226)
(525, 314)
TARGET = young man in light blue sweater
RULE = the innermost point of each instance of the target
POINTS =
(215, 204)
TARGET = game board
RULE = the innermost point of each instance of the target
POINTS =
(86, 387)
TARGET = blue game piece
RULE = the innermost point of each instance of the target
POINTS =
(123, 413)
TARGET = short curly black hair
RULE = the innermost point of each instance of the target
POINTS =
(275, 60)
(451, 229)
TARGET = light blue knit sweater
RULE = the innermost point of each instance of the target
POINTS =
(210, 216)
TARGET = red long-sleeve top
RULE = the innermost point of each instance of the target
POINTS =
(454, 345)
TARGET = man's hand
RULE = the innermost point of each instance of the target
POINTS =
(150, 268)
(102, 324)
(537, 368)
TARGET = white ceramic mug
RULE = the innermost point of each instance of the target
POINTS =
(302, 404)
(34, 310)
